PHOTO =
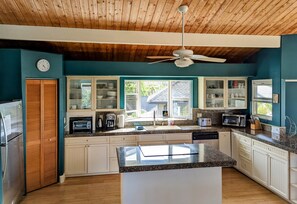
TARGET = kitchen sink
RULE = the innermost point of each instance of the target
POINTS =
(165, 127)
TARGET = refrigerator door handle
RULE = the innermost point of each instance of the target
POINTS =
(4, 145)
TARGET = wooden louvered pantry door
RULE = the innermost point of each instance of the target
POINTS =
(41, 134)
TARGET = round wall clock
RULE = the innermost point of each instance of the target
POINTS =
(43, 65)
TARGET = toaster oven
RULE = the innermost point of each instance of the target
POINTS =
(80, 125)
(234, 120)
(204, 122)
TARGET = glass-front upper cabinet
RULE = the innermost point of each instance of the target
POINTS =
(222, 93)
(237, 94)
(107, 93)
(214, 90)
(79, 93)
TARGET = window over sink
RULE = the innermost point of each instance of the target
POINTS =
(172, 97)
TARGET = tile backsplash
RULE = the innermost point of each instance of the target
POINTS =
(215, 115)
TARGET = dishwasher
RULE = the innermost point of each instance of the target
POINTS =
(209, 138)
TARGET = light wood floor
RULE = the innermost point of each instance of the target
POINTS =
(105, 189)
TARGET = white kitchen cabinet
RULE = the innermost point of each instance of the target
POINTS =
(235, 148)
(179, 138)
(225, 143)
(293, 177)
(86, 155)
(211, 93)
(79, 93)
(242, 153)
(114, 143)
(222, 93)
(151, 139)
(260, 166)
(160, 139)
(96, 153)
(106, 92)
(92, 93)
(75, 159)
(278, 183)
(269, 163)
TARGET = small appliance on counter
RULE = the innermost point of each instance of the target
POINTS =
(80, 125)
(121, 121)
(110, 121)
(204, 122)
(234, 120)
(99, 123)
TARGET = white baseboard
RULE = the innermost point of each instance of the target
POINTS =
(62, 178)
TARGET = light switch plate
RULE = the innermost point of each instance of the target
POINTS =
(275, 129)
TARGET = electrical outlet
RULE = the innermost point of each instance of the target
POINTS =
(275, 129)
(199, 115)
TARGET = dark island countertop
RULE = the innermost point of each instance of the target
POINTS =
(132, 159)
(281, 141)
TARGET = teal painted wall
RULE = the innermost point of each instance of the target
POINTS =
(268, 62)
(10, 83)
(160, 69)
(289, 57)
(289, 71)
(290, 103)
(10, 74)
(29, 71)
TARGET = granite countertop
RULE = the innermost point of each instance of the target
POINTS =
(281, 141)
(151, 130)
(132, 159)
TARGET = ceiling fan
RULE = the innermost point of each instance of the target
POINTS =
(184, 57)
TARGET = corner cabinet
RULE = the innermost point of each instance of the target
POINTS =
(222, 93)
(92, 93)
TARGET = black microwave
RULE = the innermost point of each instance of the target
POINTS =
(234, 120)
(80, 125)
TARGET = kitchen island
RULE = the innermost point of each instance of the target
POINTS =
(183, 173)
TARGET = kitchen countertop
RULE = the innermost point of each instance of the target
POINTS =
(151, 130)
(281, 141)
(132, 159)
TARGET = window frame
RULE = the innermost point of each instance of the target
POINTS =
(169, 102)
(256, 100)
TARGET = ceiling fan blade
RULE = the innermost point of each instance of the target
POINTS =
(160, 57)
(164, 60)
(207, 59)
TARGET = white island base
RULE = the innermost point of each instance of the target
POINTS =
(178, 186)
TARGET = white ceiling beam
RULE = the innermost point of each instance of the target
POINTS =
(58, 34)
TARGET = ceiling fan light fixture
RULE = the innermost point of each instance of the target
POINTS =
(182, 52)
(183, 62)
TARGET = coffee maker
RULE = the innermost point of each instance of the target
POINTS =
(110, 121)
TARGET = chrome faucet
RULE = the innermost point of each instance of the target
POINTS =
(154, 116)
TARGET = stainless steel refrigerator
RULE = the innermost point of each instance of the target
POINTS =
(12, 154)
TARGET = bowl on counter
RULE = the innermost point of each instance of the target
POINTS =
(100, 97)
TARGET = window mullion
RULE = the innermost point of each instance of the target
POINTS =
(138, 99)
(170, 101)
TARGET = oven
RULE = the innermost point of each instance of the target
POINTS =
(209, 138)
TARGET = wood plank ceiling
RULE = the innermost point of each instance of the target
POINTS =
(247, 17)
